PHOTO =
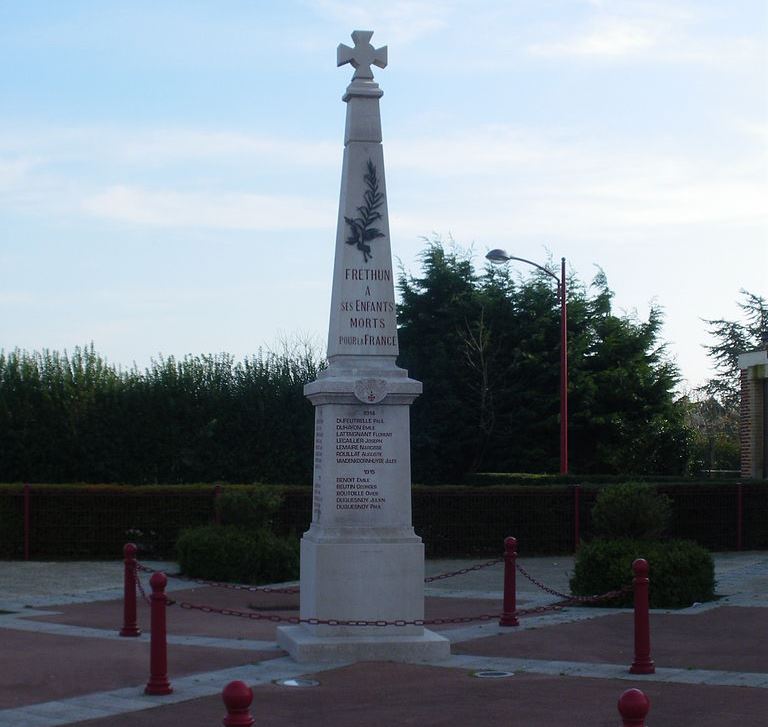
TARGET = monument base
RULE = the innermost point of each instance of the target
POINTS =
(304, 646)
(365, 574)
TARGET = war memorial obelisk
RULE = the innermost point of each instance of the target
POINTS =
(360, 558)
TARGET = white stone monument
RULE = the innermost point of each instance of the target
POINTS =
(360, 558)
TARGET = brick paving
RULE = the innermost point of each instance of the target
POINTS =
(62, 662)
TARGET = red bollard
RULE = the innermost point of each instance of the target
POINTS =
(576, 518)
(633, 708)
(130, 626)
(27, 522)
(508, 616)
(237, 698)
(643, 664)
(158, 648)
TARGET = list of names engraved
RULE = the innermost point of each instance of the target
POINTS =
(317, 486)
(363, 449)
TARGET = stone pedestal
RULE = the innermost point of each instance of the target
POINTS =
(360, 559)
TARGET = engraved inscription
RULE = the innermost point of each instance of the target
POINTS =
(368, 318)
(362, 440)
(317, 482)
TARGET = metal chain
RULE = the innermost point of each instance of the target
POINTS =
(462, 571)
(337, 621)
(218, 584)
(566, 599)
(570, 598)
(140, 586)
(362, 622)
(293, 589)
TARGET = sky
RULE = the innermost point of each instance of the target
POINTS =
(170, 169)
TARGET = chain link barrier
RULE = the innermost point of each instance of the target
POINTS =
(143, 593)
(569, 597)
(462, 571)
(140, 585)
(274, 618)
(219, 584)
(566, 599)
(296, 589)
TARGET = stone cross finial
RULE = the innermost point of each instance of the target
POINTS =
(362, 55)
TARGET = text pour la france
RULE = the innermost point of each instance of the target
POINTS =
(368, 340)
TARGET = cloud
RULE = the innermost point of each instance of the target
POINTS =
(648, 31)
(158, 146)
(484, 177)
(542, 183)
(755, 131)
(396, 21)
(226, 211)
(14, 171)
(608, 37)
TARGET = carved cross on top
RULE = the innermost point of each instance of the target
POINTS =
(362, 55)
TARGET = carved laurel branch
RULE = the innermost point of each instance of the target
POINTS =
(362, 231)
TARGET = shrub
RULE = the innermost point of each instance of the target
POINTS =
(254, 509)
(631, 511)
(681, 572)
(233, 553)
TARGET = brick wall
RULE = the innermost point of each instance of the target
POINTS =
(752, 414)
(745, 424)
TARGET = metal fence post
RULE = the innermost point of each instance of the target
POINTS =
(26, 521)
(739, 516)
(130, 625)
(643, 664)
(237, 697)
(633, 708)
(509, 615)
(576, 517)
(158, 648)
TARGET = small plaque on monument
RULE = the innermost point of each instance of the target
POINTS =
(360, 559)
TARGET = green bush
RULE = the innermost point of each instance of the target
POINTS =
(234, 553)
(253, 509)
(681, 572)
(631, 511)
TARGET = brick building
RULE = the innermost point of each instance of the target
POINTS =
(753, 424)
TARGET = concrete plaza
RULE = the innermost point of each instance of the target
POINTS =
(63, 662)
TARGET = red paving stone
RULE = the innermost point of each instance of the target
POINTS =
(180, 621)
(41, 667)
(379, 694)
(730, 638)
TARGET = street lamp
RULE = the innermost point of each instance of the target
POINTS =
(500, 256)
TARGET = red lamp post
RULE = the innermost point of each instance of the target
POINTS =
(501, 256)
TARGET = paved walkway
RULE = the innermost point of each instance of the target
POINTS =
(63, 662)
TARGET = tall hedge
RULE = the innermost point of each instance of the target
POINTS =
(77, 418)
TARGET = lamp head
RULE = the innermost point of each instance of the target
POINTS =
(498, 256)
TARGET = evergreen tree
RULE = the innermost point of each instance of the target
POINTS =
(713, 409)
(486, 348)
(734, 338)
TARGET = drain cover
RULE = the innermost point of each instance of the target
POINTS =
(490, 674)
(297, 682)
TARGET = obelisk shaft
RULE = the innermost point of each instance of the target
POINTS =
(362, 321)
(360, 558)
